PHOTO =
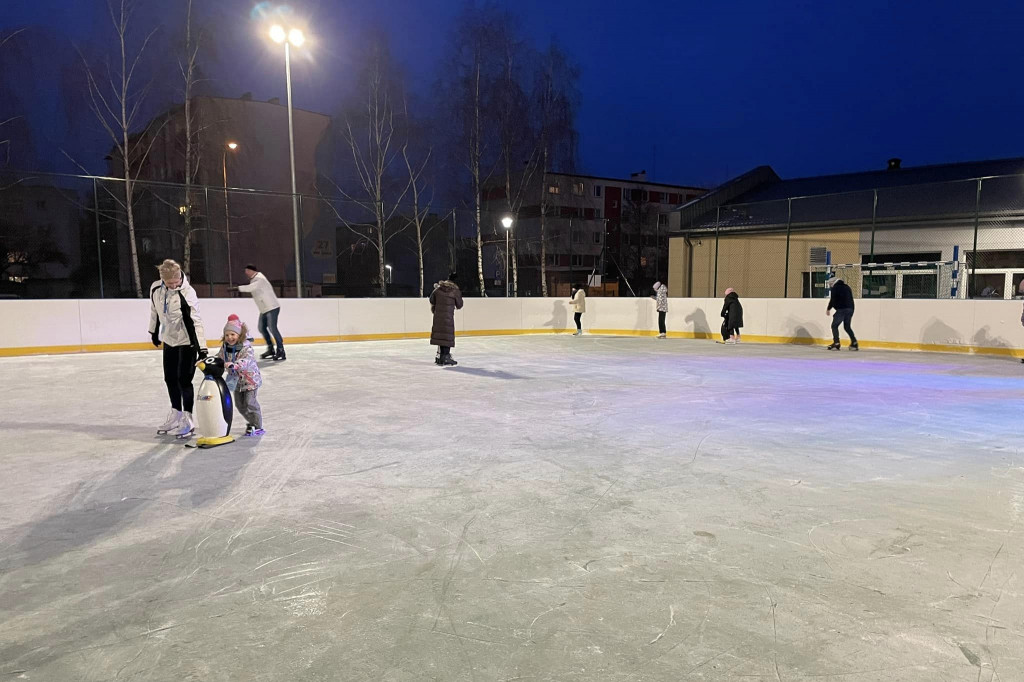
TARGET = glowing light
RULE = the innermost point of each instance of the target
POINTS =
(506, 222)
(277, 33)
(296, 37)
(232, 146)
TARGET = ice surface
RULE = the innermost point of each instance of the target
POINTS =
(555, 508)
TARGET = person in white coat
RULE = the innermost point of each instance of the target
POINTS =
(174, 320)
(579, 306)
(266, 301)
(661, 303)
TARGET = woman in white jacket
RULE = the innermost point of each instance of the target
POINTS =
(579, 306)
(266, 301)
(174, 320)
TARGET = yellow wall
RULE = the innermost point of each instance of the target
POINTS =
(754, 264)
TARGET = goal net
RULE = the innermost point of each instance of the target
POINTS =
(923, 279)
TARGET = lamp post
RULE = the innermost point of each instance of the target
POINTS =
(227, 219)
(292, 37)
(389, 273)
(506, 222)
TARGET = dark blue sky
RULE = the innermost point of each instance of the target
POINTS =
(715, 87)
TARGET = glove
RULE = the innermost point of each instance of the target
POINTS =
(203, 352)
(156, 338)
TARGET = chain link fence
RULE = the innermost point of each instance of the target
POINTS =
(949, 240)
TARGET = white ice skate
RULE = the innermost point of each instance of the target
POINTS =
(170, 424)
(185, 428)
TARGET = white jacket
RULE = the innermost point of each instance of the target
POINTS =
(176, 311)
(262, 292)
(579, 302)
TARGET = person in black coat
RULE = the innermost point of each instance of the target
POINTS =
(444, 301)
(842, 302)
(732, 317)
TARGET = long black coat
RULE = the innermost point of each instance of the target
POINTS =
(732, 312)
(444, 301)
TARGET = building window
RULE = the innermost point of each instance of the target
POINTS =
(597, 237)
(577, 188)
(597, 190)
(615, 203)
(554, 189)
(577, 260)
(662, 219)
(597, 213)
(553, 259)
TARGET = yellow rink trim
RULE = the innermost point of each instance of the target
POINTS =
(399, 336)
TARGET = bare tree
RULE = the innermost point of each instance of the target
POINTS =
(116, 99)
(188, 69)
(517, 147)
(471, 71)
(373, 139)
(420, 203)
(555, 98)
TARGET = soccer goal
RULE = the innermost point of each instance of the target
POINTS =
(922, 279)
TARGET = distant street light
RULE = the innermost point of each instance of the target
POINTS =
(389, 273)
(292, 37)
(227, 219)
(506, 222)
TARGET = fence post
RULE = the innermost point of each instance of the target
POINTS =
(99, 248)
(206, 217)
(789, 225)
(714, 289)
(874, 216)
(973, 291)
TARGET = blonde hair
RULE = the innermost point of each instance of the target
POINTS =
(169, 270)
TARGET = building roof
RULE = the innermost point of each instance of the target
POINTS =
(634, 181)
(879, 179)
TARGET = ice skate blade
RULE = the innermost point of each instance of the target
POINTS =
(206, 443)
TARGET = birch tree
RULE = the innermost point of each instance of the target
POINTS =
(470, 72)
(555, 97)
(116, 98)
(373, 139)
(517, 146)
(188, 68)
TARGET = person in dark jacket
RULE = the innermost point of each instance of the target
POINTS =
(842, 302)
(444, 301)
(732, 317)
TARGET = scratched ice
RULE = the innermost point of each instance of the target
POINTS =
(553, 508)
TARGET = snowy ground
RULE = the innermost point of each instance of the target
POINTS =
(552, 509)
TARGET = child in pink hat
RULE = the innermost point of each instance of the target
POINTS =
(243, 373)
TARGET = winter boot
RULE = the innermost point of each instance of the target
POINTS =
(186, 427)
(280, 355)
(448, 361)
(269, 355)
(173, 419)
(834, 346)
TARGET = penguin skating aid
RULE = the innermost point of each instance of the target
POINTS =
(213, 410)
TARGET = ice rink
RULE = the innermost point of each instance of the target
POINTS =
(555, 508)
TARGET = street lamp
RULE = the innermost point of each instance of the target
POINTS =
(292, 37)
(389, 273)
(506, 222)
(227, 220)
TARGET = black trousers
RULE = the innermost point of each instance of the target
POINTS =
(179, 368)
(578, 317)
(728, 331)
(844, 317)
(661, 322)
